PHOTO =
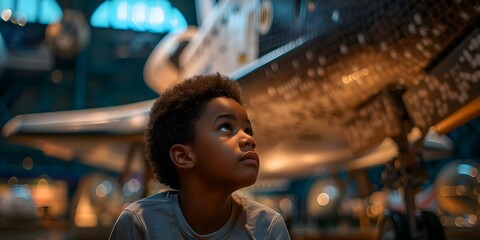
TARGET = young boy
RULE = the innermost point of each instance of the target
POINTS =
(200, 142)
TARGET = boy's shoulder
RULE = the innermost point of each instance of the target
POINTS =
(252, 207)
(153, 217)
(269, 224)
(161, 199)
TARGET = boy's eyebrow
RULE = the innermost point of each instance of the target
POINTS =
(230, 116)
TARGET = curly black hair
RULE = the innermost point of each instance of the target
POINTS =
(173, 116)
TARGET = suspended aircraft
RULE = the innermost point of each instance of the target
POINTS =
(328, 85)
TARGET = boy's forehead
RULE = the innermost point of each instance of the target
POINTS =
(224, 105)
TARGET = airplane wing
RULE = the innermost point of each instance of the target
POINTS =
(322, 100)
(101, 137)
(307, 96)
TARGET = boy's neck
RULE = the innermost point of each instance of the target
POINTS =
(205, 212)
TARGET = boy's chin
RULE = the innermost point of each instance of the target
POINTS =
(249, 183)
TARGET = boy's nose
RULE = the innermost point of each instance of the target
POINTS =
(248, 142)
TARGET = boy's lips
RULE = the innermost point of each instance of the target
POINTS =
(250, 157)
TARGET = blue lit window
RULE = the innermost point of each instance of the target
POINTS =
(32, 11)
(467, 170)
(139, 15)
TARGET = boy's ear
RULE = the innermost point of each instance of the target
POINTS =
(182, 156)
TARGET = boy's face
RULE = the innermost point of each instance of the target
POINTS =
(224, 147)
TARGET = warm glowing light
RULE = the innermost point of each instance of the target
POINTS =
(84, 214)
(444, 191)
(54, 150)
(323, 199)
(86, 220)
(459, 221)
(472, 219)
(272, 91)
(375, 208)
(42, 183)
(362, 73)
(474, 172)
(378, 198)
(444, 220)
(282, 158)
(6, 14)
(138, 121)
(54, 197)
(365, 71)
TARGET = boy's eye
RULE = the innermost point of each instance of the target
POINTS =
(226, 127)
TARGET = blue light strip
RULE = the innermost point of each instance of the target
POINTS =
(139, 15)
(32, 11)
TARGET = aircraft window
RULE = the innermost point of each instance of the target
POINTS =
(467, 170)
(22, 11)
(140, 15)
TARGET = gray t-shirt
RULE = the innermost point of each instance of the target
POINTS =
(160, 217)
